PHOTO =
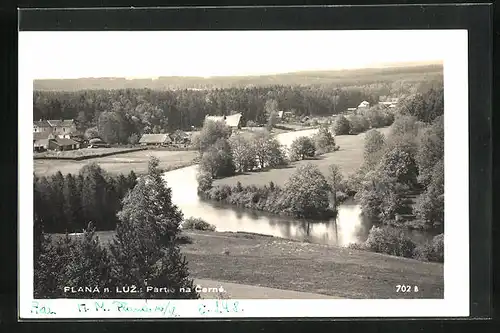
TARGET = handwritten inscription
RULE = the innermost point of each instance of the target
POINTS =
(163, 309)
(41, 309)
(167, 309)
(219, 307)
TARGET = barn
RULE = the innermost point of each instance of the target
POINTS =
(155, 139)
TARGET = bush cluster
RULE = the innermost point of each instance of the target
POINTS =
(194, 223)
(269, 198)
(359, 123)
(394, 241)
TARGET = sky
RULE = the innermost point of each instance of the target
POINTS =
(144, 54)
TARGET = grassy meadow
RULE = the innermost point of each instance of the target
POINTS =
(84, 152)
(313, 268)
(122, 163)
(349, 158)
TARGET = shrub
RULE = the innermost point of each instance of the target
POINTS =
(184, 239)
(341, 196)
(251, 123)
(357, 246)
(306, 192)
(359, 124)
(391, 241)
(133, 139)
(342, 126)
(194, 223)
(205, 181)
(324, 141)
(431, 251)
(301, 148)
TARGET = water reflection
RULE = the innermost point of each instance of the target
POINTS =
(348, 228)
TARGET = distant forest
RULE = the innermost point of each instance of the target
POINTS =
(118, 115)
(349, 77)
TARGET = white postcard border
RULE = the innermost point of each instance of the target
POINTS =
(456, 265)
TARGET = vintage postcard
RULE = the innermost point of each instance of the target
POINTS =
(243, 173)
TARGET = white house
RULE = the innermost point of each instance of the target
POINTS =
(364, 104)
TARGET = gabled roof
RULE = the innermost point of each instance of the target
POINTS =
(155, 138)
(61, 122)
(54, 123)
(280, 114)
(64, 142)
(231, 121)
(41, 123)
(364, 103)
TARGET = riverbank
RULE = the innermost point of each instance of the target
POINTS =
(348, 158)
(291, 265)
(136, 161)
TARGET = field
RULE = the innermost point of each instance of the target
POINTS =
(349, 158)
(84, 152)
(255, 260)
(123, 163)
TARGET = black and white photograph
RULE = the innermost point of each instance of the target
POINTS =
(241, 165)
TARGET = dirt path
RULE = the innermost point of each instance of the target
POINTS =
(242, 291)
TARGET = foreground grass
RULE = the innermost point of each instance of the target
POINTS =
(123, 163)
(349, 158)
(278, 263)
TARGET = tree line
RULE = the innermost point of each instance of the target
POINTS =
(68, 203)
(142, 254)
(119, 116)
(402, 178)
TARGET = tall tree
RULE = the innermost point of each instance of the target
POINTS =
(72, 206)
(374, 144)
(145, 245)
(89, 265)
(93, 199)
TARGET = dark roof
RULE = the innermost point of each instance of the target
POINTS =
(61, 123)
(96, 140)
(55, 123)
(65, 142)
(41, 123)
(155, 138)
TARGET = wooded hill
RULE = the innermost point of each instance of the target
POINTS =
(366, 76)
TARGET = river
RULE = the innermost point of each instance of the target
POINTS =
(348, 227)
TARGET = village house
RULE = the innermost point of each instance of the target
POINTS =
(233, 121)
(364, 105)
(61, 128)
(49, 141)
(155, 140)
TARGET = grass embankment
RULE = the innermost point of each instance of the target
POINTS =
(123, 163)
(278, 263)
(349, 158)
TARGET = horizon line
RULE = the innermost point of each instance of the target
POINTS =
(372, 66)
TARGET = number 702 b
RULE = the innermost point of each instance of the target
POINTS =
(404, 288)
